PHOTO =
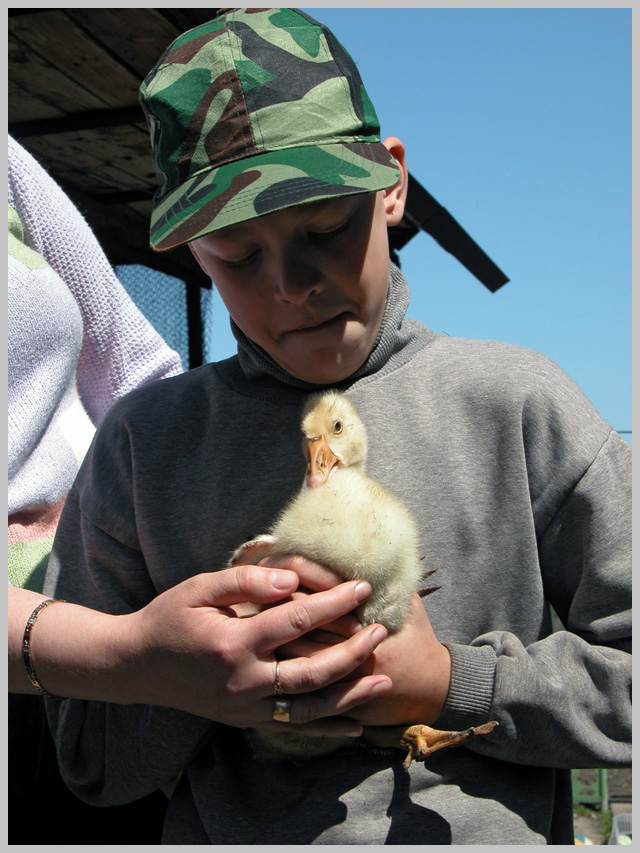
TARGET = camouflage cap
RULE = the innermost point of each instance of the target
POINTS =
(252, 112)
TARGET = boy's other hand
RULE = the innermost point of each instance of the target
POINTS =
(420, 668)
(420, 678)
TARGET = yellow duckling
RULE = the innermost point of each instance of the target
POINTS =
(348, 522)
(345, 520)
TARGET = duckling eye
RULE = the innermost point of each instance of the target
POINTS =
(337, 428)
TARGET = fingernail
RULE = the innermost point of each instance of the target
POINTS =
(282, 580)
(378, 635)
(356, 731)
(380, 687)
(363, 590)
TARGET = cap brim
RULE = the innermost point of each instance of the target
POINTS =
(266, 183)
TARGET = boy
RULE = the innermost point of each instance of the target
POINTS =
(272, 171)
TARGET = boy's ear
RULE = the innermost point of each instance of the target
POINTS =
(396, 196)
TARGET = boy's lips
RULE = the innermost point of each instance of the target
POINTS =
(316, 324)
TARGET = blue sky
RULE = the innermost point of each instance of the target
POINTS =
(518, 121)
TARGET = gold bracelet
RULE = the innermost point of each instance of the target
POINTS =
(26, 646)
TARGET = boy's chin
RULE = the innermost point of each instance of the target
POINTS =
(324, 371)
(319, 369)
(327, 361)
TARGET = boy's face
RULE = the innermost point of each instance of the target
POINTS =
(307, 284)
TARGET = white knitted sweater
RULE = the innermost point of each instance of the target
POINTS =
(76, 343)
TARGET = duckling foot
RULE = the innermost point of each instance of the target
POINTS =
(421, 741)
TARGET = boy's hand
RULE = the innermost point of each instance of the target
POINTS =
(418, 665)
(420, 668)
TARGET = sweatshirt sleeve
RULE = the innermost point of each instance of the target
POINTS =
(564, 701)
(110, 754)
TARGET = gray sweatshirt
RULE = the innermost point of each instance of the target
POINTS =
(522, 496)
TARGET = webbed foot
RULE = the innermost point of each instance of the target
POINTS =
(420, 741)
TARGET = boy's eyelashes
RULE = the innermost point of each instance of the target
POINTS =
(318, 236)
(331, 235)
(242, 262)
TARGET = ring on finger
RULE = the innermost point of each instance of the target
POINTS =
(281, 709)
(277, 687)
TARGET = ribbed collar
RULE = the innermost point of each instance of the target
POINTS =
(256, 373)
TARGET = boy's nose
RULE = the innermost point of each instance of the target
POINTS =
(295, 280)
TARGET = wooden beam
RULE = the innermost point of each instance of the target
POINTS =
(89, 120)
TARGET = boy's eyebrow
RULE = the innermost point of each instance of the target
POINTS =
(230, 231)
(313, 208)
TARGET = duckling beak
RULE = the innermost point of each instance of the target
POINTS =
(321, 462)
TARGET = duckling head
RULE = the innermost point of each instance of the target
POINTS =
(334, 436)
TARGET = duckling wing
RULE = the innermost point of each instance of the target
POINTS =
(250, 553)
